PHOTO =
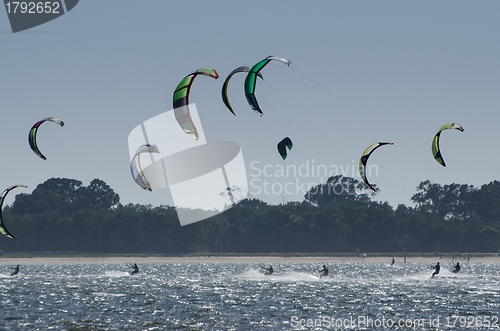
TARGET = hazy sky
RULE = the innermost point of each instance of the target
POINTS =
(361, 72)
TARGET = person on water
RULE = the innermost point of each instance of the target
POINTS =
(437, 268)
(324, 272)
(269, 271)
(393, 261)
(457, 268)
(135, 269)
(16, 270)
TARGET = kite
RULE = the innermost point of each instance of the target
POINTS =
(435, 142)
(251, 80)
(233, 194)
(3, 229)
(181, 101)
(135, 165)
(226, 83)
(283, 145)
(33, 133)
(364, 160)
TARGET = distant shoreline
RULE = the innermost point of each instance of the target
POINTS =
(254, 258)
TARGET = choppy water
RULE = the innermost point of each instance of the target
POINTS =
(240, 297)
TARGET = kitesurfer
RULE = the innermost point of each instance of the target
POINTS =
(16, 270)
(269, 271)
(135, 269)
(392, 263)
(437, 268)
(457, 268)
(324, 272)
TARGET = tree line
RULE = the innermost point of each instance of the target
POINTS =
(63, 216)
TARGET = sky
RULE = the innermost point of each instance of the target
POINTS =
(361, 72)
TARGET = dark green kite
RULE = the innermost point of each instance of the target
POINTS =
(283, 145)
(251, 80)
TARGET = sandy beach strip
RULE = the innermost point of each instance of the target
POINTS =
(240, 259)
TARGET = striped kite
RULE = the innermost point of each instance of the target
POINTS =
(181, 101)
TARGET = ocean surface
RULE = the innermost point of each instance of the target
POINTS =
(232, 296)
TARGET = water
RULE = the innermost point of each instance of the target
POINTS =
(239, 297)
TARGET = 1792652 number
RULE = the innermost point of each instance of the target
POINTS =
(487, 322)
(33, 7)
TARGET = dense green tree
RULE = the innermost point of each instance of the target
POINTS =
(63, 215)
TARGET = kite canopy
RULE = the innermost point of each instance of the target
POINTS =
(364, 160)
(226, 83)
(251, 80)
(135, 165)
(181, 100)
(435, 142)
(3, 229)
(283, 145)
(33, 133)
(233, 194)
